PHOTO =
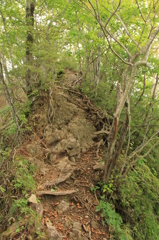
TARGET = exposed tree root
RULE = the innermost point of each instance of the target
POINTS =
(56, 181)
(56, 193)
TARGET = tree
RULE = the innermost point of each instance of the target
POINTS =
(29, 78)
(135, 58)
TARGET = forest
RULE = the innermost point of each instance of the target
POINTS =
(79, 108)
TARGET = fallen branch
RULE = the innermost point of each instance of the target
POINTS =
(56, 193)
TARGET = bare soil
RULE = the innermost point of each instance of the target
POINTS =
(64, 145)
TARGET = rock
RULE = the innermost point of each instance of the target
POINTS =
(99, 166)
(72, 159)
(77, 226)
(32, 199)
(53, 233)
(72, 235)
(83, 150)
(73, 152)
(37, 206)
(53, 158)
(94, 225)
(39, 210)
(61, 165)
(35, 150)
(52, 138)
(29, 237)
(6, 235)
(82, 130)
(77, 233)
(94, 117)
(68, 223)
(43, 170)
(96, 178)
(62, 207)
(11, 231)
(72, 143)
(64, 165)
(42, 237)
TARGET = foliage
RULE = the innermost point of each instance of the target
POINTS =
(23, 183)
(24, 176)
(68, 34)
(113, 220)
(139, 196)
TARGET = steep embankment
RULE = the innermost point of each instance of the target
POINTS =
(64, 145)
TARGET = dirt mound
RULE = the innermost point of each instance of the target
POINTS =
(64, 149)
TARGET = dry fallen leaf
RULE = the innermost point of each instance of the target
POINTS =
(40, 188)
(78, 205)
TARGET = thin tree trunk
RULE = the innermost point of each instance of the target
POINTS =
(9, 98)
(10, 53)
(30, 8)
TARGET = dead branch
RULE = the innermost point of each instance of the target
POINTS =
(56, 193)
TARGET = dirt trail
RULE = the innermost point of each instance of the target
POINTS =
(73, 215)
(64, 147)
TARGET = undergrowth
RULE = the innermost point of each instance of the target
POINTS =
(16, 185)
(131, 208)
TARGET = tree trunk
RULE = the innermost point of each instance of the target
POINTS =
(30, 8)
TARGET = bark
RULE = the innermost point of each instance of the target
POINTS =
(30, 8)
(96, 66)
(97, 70)
(113, 160)
(8, 42)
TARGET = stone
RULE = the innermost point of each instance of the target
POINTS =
(29, 237)
(73, 152)
(62, 207)
(35, 150)
(77, 226)
(68, 223)
(77, 233)
(99, 166)
(96, 178)
(43, 170)
(11, 231)
(94, 117)
(64, 166)
(39, 210)
(61, 165)
(72, 235)
(72, 143)
(53, 158)
(52, 138)
(72, 159)
(83, 150)
(94, 225)
(53, 233)
(32, 199)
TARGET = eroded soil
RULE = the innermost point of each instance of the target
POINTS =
(64, 145)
